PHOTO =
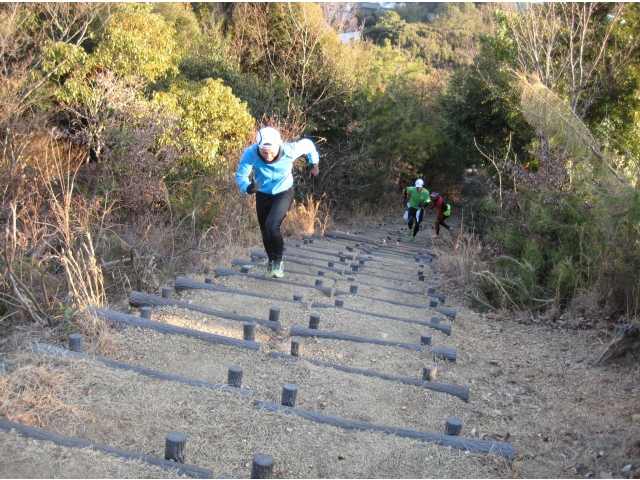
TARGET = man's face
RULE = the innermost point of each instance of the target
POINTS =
(419, 189)
(269, 152)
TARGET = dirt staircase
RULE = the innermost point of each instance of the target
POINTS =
(364, 406)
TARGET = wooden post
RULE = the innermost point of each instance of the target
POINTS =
(289, 394)
(425, 339)
(295, 346)
(330, 264)
(433, 303)
(175, 447)
(429, 373)
(262, 465)
(318, 282)
(166, 292)
(249, 331)
(234, 378)
(314, 321)
(431, 290)
(353, 289)
(453, 426)
(306, 242)
(321, 273)
(75, 342)
(254, 259)
(361, 262)
(351, 279)
(274, 314)
(244, 269)
(350, 249)
(208, 280)
(297, 297)
(339, 302)
(145, 312)
(421, 278)
(354, 268)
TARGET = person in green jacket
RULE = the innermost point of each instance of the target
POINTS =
(415, 198)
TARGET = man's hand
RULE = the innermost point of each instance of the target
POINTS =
(314, 170)
(252, 188)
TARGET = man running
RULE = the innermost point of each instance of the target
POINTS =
(271, 161)
(415, 198)
(444, 211)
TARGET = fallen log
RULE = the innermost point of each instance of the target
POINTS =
(445, 311)
(183, 283)
(172, 329)
(74, 442)
(436, 326)
(447, 353)
(432, 295)
(139, 299)
(59, 352)
(480, 446)
(624, 336)
(221, 272)
(455, 390)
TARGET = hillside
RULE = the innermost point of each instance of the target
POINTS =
(530, 385)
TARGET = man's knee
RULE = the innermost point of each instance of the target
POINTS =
(273, 228)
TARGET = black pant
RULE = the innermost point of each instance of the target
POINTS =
(413, 217)
(271, 210)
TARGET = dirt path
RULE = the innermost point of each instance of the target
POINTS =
(530, 385)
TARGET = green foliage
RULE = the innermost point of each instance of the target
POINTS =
(479, 107)
(137, 43)
(447, 42)
(210, 121)
(297, 54)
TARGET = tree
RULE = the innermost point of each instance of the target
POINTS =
(293, 48)
(135, 48)
(208, 121)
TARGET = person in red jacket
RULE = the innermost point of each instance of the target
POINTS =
(444, 211)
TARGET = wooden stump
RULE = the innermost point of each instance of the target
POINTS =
(262, 465)
(624, 336)
(453, 426)
(175, 447)
(249, 331)
(75, 342)
(289, 394)
(429, 373)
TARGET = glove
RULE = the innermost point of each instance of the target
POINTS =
(252, 188)
(314, 170)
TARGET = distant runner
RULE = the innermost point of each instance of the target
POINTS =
(415, 198)
(444, 211)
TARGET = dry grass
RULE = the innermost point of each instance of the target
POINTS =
(312, 216)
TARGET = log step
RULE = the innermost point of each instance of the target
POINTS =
(139, 299)
(480, 446)
(173, 330)
(455, 390)
(447, 353)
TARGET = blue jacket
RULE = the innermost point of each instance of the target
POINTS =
(274, 177)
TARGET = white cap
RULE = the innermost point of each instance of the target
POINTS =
(268, 137)
(419, 183)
